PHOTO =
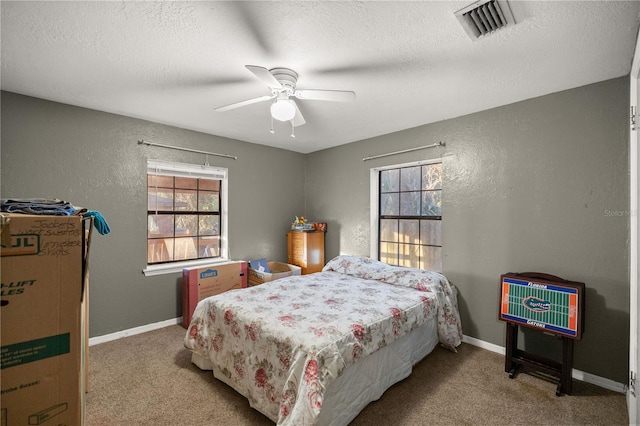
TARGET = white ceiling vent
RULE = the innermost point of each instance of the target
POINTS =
(484, 17)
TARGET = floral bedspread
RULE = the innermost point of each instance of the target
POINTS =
(282, 343)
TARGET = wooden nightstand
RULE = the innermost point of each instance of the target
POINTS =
(306, 250)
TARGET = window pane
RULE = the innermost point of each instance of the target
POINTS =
(432, 259)
(409, 231)
(409, 255)
(185, 248)
(389, 180)
(389, 204)
(209, 247)
(160, 226)
(208, 201)
(159, 200)
(186, 200)
(410, 179)
(156, 181)
(389, 230)
(431, 232)
(432, 203)
(410, 204)
(186, 225)
(389, 253)
(209, 185)
(157, 251)
(432, 176)
(209, 225)
(186, 183)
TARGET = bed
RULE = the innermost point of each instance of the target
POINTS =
(316, 349)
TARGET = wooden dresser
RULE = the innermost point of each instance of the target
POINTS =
(306, 250)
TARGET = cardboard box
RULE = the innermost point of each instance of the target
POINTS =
(200, 283)
(41, 291)
(277, 270)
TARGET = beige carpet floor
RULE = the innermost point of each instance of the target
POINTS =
(148, 379)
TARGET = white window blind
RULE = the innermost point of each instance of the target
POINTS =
(168, 168)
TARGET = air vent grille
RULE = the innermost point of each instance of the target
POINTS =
(484, 17)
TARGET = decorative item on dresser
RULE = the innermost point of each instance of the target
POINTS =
(306, 250)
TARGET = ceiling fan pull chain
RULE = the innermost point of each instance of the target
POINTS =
(271, 130)
(293, 130)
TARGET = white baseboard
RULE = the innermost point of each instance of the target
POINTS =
(576, 374)
(484, 345)
(603, 382)
(133, 331)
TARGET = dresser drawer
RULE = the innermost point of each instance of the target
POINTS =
(297, 237)
(306, 249)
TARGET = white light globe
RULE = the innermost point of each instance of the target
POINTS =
(283, 110)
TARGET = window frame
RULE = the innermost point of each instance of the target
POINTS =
(374, 199)
(171, 168)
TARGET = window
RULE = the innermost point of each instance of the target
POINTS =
(186, 216)
(408, 215)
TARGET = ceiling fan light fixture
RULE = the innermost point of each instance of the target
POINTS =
(283, 110)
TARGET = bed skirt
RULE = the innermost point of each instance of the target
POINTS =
(366, 380)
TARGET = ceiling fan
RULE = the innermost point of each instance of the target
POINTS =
(282, 83)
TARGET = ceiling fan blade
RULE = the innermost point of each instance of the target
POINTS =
(263, 74)
(298, 119)
(251, 15)
(244, 103)
(326, 95)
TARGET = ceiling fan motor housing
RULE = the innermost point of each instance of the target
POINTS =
(287, 77)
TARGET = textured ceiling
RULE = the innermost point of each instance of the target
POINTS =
(410, 63)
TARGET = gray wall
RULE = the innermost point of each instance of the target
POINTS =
(541, 185)
(92, 159)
